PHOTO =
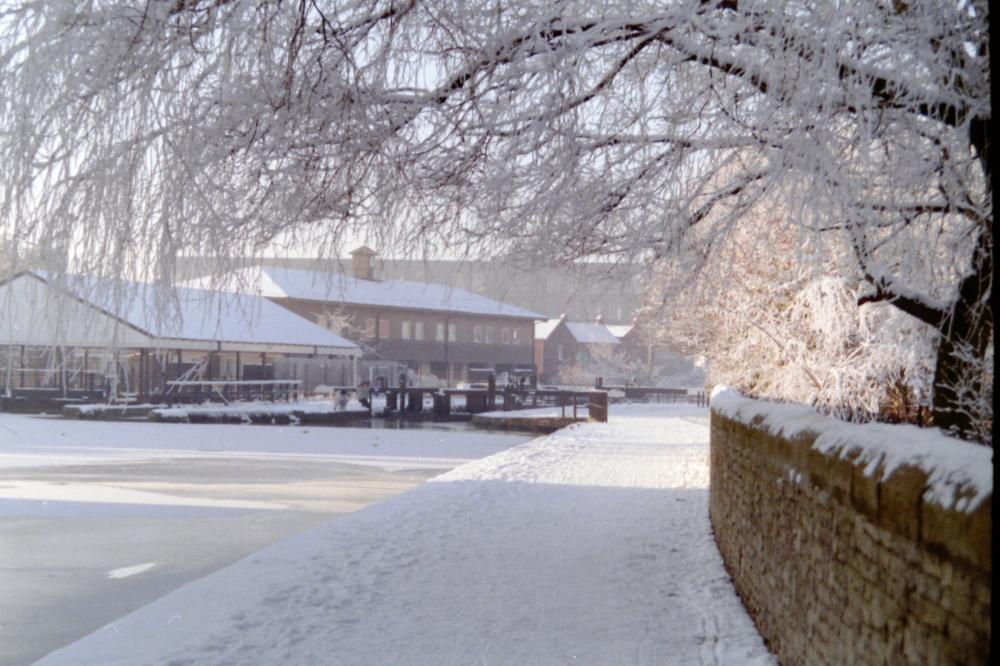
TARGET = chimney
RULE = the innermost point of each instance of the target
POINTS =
(600, 319)
(363, 263)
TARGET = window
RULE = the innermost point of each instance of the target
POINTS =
(323, 320)
(418, 330)
(489, 335)
(383, 329)
(369, 328)
(439, 331)
(407, 333)
(477, 333)
(559, 352)
(505, 335)
(452, 332)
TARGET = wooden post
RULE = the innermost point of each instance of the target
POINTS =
(61, 362)
(143, 374)
(597, 406)
(401, 396)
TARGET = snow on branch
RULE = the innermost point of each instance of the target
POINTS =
(928, 310)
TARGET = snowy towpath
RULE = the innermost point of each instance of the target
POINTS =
(589, 546)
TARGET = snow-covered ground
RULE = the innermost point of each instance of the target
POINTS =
(589, 546)
(33, 441)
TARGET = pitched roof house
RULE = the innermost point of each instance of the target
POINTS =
(560, 343)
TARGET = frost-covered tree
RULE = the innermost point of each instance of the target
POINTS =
(777, 321)
(554, 130)
(609, 362)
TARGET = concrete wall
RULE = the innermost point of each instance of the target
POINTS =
(837, 566)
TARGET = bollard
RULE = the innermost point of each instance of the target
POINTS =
(442, 404)
(597, 406)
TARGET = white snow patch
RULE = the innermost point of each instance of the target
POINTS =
(245, 409)
(125, 572)
(950, 463)
(86, 492)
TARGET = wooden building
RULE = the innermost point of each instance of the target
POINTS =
(441, 334)
(561, 344)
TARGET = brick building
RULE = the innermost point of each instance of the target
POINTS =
(437, 332)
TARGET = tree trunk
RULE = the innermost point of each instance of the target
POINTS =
(965, 338)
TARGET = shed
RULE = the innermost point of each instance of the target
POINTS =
(76, 330)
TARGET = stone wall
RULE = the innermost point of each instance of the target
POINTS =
(841, 563)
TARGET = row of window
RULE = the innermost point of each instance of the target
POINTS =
(415, 330)
(418, 330)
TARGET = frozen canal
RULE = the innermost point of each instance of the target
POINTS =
(99, 519)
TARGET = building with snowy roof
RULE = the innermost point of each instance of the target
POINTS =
(560, 343)
(583, 291)
(440, 333)
(81, 333)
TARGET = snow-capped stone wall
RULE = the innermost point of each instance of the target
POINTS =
(853, 544)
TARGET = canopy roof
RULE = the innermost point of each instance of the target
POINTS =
(163, 317)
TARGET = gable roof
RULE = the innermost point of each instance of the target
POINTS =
(198, 315)
(275, 282)
(620, 330)
(543, 329)
(590, 334)
(583, 333)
